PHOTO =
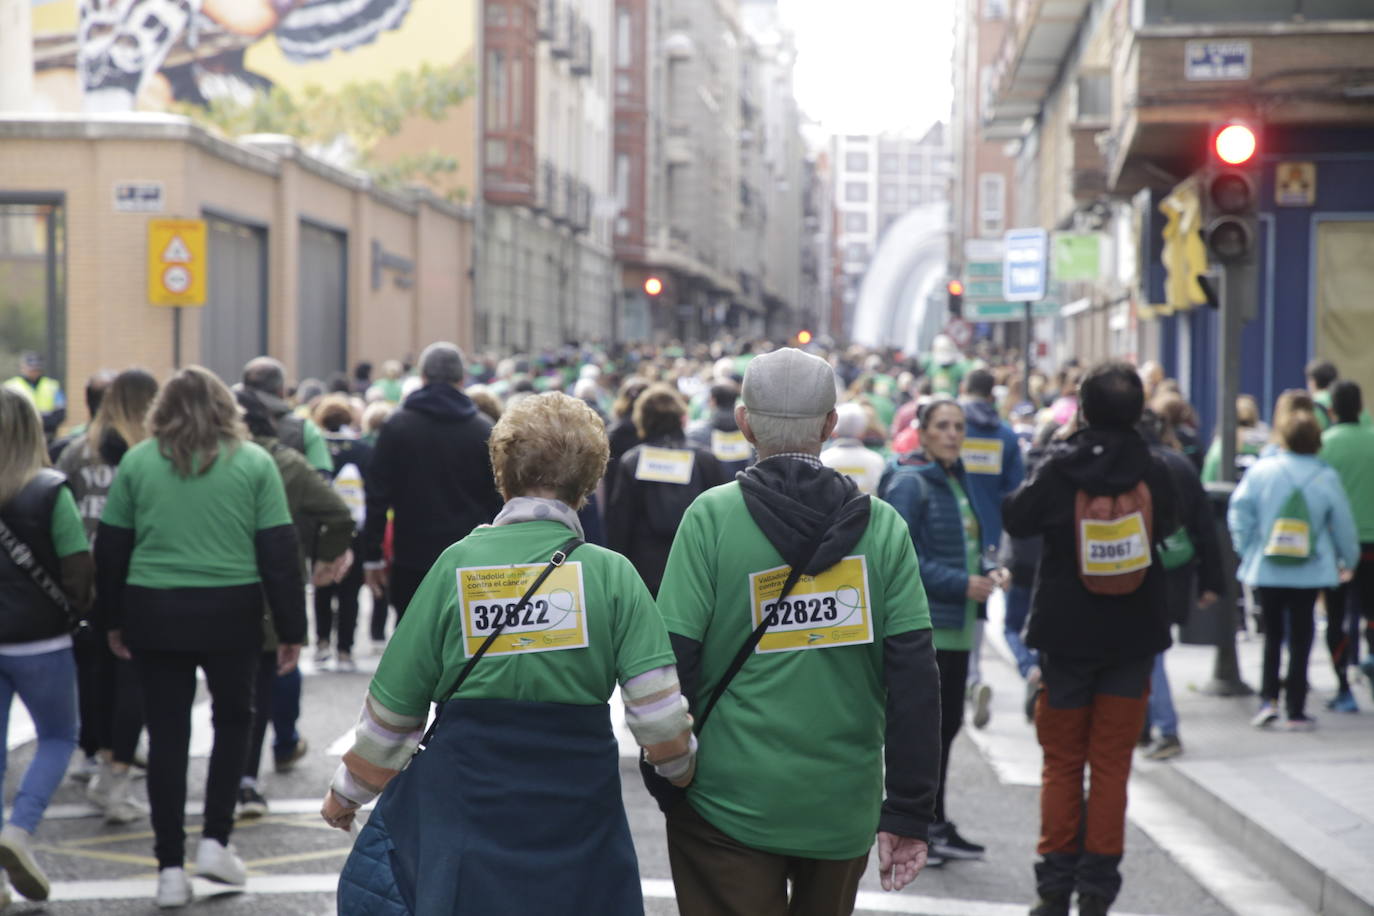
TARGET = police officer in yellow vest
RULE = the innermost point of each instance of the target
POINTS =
(46, 393)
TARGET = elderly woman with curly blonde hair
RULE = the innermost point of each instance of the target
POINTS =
(521, 632)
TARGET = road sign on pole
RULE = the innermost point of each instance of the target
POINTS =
(176, 262)
(1025, 273)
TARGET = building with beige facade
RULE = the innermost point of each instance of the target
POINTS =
(304, 261)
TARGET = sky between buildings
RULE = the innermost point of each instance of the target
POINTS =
(867, 66)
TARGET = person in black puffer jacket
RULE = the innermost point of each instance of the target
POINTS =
(1096, 650)
(719, 432)
(654, 483)
(431, 469)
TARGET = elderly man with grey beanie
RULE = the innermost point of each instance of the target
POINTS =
(803, 642)
(430, 468)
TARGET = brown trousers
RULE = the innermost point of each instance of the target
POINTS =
(717, 876)
(1088, 717)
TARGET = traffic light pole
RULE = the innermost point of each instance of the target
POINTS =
(1238, 296)
(1026, 357)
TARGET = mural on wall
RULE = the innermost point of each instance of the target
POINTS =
(122, 55)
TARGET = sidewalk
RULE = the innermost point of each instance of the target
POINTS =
(1300, 805)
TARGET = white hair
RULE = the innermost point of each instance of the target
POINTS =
(786, 434)
(852, 421)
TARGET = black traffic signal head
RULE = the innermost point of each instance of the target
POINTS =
(955, 288)
(1229, 197)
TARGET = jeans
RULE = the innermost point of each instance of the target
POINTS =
(1018, 609)
(286, 709)
(1163, 716)
(46, 684)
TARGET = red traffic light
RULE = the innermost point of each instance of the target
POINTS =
(955, 288)
(653, 286)
(1235, 144)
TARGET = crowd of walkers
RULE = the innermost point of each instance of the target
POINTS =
(800, 548)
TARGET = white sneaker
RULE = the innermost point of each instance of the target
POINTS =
(120, 806)
(98, 788)
(85, 769)
(220, 863)
(17, 859)
(981, 696)
(173, 888)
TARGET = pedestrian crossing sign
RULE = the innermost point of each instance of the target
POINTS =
(176, 262)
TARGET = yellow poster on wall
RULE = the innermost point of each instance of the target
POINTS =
(177, 262)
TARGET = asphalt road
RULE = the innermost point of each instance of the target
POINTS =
(294, 857)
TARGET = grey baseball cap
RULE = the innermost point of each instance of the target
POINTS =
(789, 383)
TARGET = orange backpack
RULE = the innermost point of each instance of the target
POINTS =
(1114, 535)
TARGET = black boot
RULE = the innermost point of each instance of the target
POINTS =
(1092, 905)
(1051, 905)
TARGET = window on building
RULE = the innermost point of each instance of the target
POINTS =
(497, 90)
(914, 163)
(994, 9)
(624, 50)
(890, 194)
(855, 221)
(915, 195)
(622, 181)
(992, 204)
(856, 162)
(856, 251)
(1094, 91)
(856, 192)
(890, 164)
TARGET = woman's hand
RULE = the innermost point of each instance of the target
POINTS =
(116, 640)
(980, 588)
(1347, 575)
(337, 813)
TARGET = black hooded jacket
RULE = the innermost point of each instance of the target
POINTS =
(431, 467)
(814, 516)
(1067, 619)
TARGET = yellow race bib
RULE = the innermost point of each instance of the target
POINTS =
(727, 446)
(831, 609)
(665, 465)
(1290, 538)
(1115, 547)
(982, 456)
(555, 617)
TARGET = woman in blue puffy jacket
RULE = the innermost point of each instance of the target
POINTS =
(928, 489)
(1287, 557)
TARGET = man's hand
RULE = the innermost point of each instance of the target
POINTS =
(287, 656)
(336, 813)
(980, 588)
(1207, 599)
(116, 640)
(900, 860)
(376, 580)
(329, 572)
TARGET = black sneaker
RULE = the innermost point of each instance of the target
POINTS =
(1092, 905)
(251, 803)
(946, 842)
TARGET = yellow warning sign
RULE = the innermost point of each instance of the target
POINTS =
(176, 262)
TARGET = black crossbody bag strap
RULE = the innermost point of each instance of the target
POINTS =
(559, 557)
(752, 642)
(24, 558)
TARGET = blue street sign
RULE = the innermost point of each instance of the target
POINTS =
(1025, 272)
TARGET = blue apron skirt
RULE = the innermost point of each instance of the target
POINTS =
(513, 808)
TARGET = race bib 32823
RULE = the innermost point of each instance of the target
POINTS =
(555, 617)
(831, 609)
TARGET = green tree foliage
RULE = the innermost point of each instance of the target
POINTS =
(353, 119)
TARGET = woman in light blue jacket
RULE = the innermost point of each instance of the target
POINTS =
(1287, 558)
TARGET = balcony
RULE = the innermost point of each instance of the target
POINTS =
(543, 199)
(1037, 41)
(564, 34)
(582, 210)
(570, 200)
(677, 149)
(554, 202)
(1169, 12)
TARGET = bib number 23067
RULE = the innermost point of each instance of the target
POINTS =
(1111, 548)
(553, 619)
(831, 609)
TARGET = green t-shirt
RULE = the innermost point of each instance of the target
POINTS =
(196, 532)
(1349, 448)
(625, 635)
(961, 640)
(316, 447)
(68, 530)
(791, 761)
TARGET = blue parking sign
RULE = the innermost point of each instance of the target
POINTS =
(1025, 271)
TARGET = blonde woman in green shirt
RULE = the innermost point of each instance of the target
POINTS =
(522, 774)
